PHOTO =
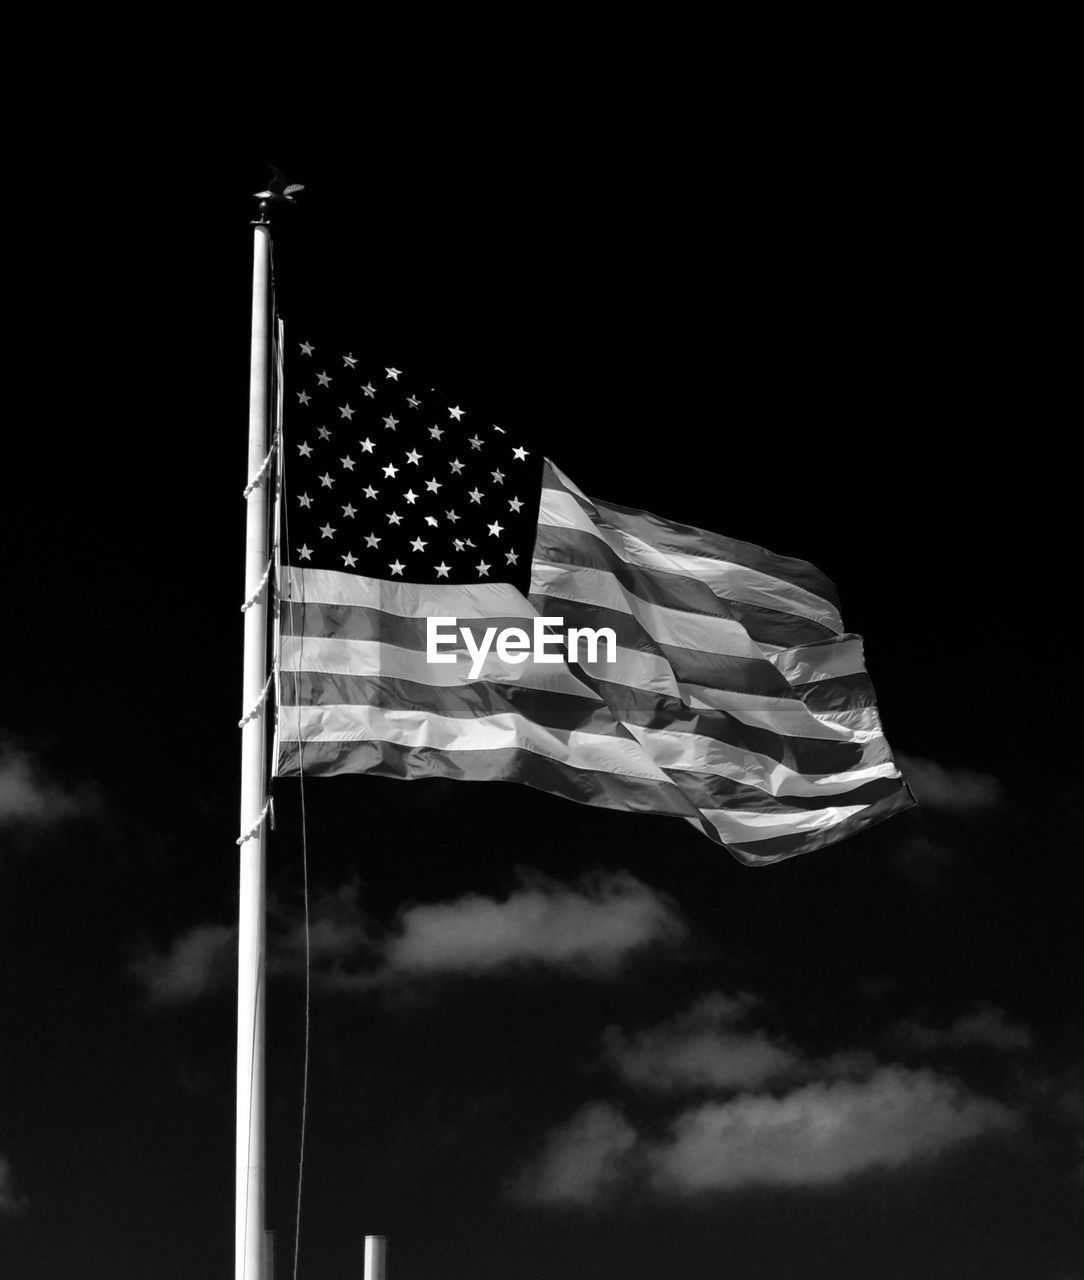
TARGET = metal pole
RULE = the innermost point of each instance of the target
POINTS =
(376, 1256)
(249, 1240)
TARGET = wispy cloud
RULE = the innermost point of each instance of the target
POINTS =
(29, 798)
(985, 1026)
(581, 1161)
(774, 1115)
(704, 1046)
(821, 1133)
(591, 929)
(11, 1203)
(952, 790)
(196, 963)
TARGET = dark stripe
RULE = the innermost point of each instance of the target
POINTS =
(710, 791)
(467, 701)
(764, 852)
(511, 764)
(686, 539)
(804, 755)
(837, 693)
(766, 625)
(716, 670)
(359, 622)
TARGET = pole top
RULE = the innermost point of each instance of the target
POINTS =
(279, 191)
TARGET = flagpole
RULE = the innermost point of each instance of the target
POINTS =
(249, 1239)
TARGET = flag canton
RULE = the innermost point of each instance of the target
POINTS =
(383, 476)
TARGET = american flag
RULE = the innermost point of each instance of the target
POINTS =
(736, 699)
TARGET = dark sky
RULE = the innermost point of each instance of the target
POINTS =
(863, 1062)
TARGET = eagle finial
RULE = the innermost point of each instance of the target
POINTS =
(279, 191)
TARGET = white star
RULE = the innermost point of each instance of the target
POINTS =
(390, 423)
(431, 520)
(442, 569)
(435, 432)
(458, 544)
(467, 542)
(391, 470)
(483, 569)
(305, 450)
(394, 518)
(326, 531)
(348, 463)
(500, 429)
(413, 401)
(498, 476)
(433, 485)
(323, 379)
(413, 456)
(350, 511)
(372, 540)
(369, 491)
(495, 529)
(520, 455)
(366, 445)
(305, 500)
(475, 495)
(411, 496)
(456, 466)
(349, 560)
(345, 411)
(475, 443)
(515, 504)
(456, 413)
(307, 348)
(304, 553)
(369, 389)
(511, 557)
(303, 397)
(323, 433)
(452, 516)
(418, 545)
(349, 361)
(397, 568)
(326, 480)
(393, 374)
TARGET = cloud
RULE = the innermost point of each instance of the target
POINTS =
(590, 928)
(27, 798)
(11, 1203)
(702, 1047)
(985, 1026)
(580, 1161)
(197, 962)
(952, 790)
(338, 931)
(816, 1135)
(775, 1115)
(821, 1133)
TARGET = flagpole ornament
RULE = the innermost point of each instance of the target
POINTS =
(279, 191)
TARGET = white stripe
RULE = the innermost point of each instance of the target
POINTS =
(664, 625)
(693, 753)
(406, 599)
(726, 580)
(651, 673)
(410, 727)
(336, 656)
(738, 827)
(809, 662)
